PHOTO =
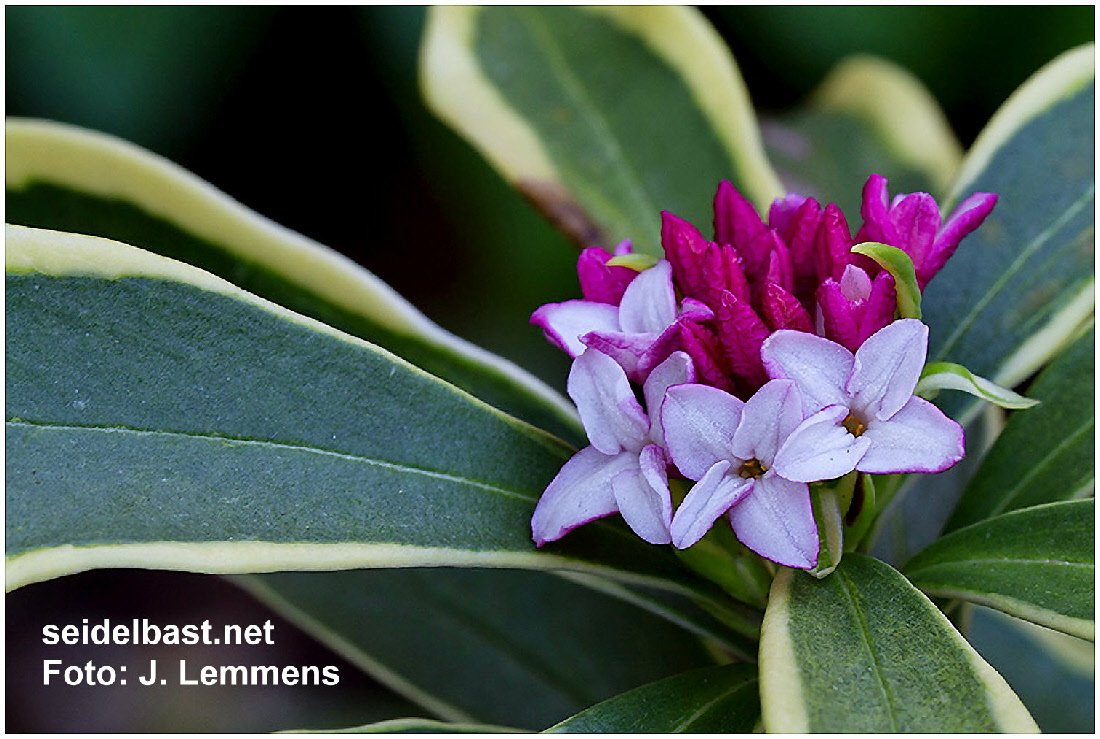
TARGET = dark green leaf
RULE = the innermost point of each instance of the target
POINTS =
(1019, 286)
(603, 117)
(713, 700)
(55, 180)
(523, 649)
(1036, 563)
(1045, 453)
(1051, 672)
(863, 651)
(159, 417)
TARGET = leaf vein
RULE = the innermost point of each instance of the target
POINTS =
(395, 466)
(685, 725)
(1026, 253)
(847, 586)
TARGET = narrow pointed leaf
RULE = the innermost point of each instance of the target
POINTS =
(603, 117)
(533, 648)
(1046, 453)
(64, 178)
(1035, 563)
(713, 700)
(948, 376)
(159, 417)
(1018, 287)
(863, 651)
(868, 115)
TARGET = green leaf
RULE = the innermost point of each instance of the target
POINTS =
(1035, 563)
(413, 726)
(603, 117)
(523, 649)
(863, 651)
(938, 376)
(712, 700)
(1051, 672)
(1045, 454)
(67, 179)
(898, 264)
(1019, 287)
(869, 115)
(159, 417)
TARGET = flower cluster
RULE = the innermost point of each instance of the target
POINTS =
(766, 359)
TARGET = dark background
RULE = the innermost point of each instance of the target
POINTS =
(312, 117)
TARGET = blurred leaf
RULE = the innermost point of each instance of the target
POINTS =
(867, 116)
(970, 57)
(67, 179)
(1019, 286)
(863, 651)
(602, 116)
(524, 649)
(153, 74)
(414, 726)
(713, 700)
(160, 417)
(1046, 453)
(1060, 694)
(1035, 563)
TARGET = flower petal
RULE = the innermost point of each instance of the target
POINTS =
(702, 345)
(918, 438)
(649, 302)
(564, 323)
(678, 369)
(609, 411)
(630, 351)
(836, 315)
(965, 218)
(736, 221)
(768, 418)
(643, 498)
(601, 283)
(704, 504)
(699, 423)
(819, 366)
(887, 367)
(684, 247)
(820, 448)
(776, 521)
(878, 310)
(832, 248)
(579, 493)
(916, 220)
(783, 311)
(741, 333)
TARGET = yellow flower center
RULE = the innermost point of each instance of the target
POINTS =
(752, 468)
(854, 425)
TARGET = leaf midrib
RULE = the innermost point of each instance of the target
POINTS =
(575, 90)
(1036, 469)
(916, 573)
(865, 631)
(282, 446)
(684, 726)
